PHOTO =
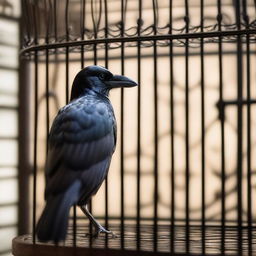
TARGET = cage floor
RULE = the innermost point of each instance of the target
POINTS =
(234, 243)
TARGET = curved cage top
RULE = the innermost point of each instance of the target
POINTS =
(56, 24)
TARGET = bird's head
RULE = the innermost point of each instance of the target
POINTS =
(98, 79)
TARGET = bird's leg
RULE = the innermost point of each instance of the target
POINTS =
(99, 229)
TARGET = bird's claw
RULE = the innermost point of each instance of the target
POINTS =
(101, 230)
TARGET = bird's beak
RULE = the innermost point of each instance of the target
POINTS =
(120, 81)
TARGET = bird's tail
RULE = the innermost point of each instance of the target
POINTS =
(53, 222)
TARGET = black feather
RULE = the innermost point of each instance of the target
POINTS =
(53, 222)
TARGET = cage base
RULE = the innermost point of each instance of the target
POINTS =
(211, 240)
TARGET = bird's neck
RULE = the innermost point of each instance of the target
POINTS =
(94, 92)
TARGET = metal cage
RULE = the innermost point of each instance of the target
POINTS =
(182, 180)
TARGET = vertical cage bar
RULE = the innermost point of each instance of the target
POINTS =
(74, 227)
(55, 20)
(35, 129)
(138, 215)
(106, 180)
(222, 127)
(155, 151)
(95, 30)
(82, 26)
(47, 94)
(67, 51)
(95, 61)
(47, 97)
(202, 128)
(122, 214)
(35, 148)
(82, 17)
(155, 230)
(239, 128)
(24, 168)
(172, 231)
(187, 170)
(248, 85)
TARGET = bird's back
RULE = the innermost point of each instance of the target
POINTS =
(81, 143)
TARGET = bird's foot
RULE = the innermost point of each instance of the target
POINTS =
(100, 230)
(103, 230)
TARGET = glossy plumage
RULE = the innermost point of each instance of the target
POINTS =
(82, 140)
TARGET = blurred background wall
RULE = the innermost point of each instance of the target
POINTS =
(9, 47)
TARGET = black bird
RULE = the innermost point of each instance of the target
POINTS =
(82, 140)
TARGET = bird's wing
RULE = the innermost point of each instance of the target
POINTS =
(81, 136)
(91, 183)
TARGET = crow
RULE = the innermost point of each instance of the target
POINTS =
(82, 140)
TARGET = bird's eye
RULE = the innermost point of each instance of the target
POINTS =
(101, 76)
